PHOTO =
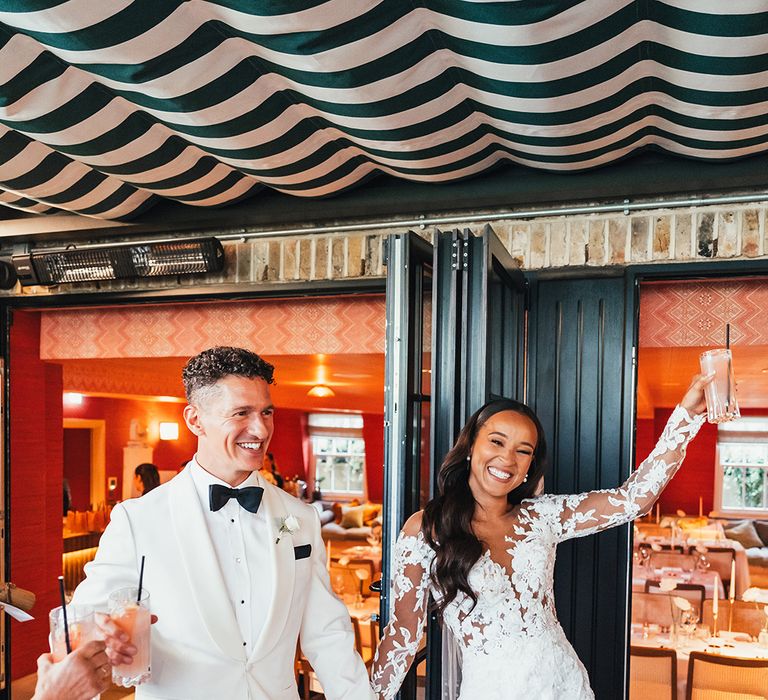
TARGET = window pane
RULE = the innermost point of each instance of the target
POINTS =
(754, 488)
(732, 479)
(340, 463)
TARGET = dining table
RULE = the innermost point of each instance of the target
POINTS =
(743, 578)
(736, 644)
(710, 580)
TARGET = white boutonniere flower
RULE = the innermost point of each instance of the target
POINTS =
(288, 525)
(681, 603)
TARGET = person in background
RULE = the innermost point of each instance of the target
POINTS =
(81, 675)
(271, 466)
(67, 497)
(146, 477)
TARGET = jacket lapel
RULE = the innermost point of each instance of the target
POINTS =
(283, 573)
(202, 567)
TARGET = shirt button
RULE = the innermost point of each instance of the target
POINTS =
(242, 602)
(237, 560)
(231, 520)
(243, 643)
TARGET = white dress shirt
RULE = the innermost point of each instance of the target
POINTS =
(240, 541)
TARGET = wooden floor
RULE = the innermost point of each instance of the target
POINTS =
(24, 689)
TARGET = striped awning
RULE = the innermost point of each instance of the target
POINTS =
(106, 106)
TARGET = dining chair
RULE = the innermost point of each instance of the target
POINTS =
(681, 549)
(747, 617)
(720, 560)
(652, 673)
(650, 609)
(302, 671)
(714, 677)
(693, 592)
(345, 579)
(367, 653)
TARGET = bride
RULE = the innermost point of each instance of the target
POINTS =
(485, 549)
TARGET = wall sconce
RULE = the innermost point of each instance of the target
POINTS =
(320, 391)
(169, 431)
(72, 399)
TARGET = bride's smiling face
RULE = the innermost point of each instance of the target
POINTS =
(502, 454)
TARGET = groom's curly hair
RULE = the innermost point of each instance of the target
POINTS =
(205, 369)
(446, 523)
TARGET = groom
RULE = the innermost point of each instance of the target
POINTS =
(235, 567)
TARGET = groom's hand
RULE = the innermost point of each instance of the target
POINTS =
(119, 647)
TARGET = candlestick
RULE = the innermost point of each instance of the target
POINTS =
(730, 615)
(328, 555)
(715, 599)
(732, 583)
(701, 507)
(658, 513)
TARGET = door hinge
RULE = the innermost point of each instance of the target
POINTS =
(459, 254)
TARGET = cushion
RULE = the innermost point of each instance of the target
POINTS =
(352, 516)
(371, 512)
(728, 524)
(761, 527)
(746, 534)
(336, 509)
(326, 517)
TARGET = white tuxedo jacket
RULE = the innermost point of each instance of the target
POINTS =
(197, 650)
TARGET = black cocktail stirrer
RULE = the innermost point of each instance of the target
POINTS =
(64, 613)
(141, 581)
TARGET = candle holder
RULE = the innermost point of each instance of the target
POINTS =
(730, 615)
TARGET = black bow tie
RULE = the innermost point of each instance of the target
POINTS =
(249, 497)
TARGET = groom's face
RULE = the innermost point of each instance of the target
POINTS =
(233, 421)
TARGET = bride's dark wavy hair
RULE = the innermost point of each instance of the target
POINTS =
(447, 519)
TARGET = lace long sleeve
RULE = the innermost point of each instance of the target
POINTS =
(582, 514)
(410, 592)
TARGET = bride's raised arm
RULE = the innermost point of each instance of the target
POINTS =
(409, 591)
(582, 514)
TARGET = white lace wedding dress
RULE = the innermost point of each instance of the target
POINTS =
(512, 645)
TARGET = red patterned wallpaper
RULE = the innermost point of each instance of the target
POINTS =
(275, 327)
(694, 314)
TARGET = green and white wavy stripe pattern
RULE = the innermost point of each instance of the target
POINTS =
(105, 106)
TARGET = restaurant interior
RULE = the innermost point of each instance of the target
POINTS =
(103, 384)
(700, 558)
(106, 385)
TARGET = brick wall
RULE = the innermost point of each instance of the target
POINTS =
(580, 241)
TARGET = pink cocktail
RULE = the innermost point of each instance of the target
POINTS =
(81, 625)
(134, 618)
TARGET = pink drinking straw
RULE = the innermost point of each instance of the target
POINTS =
(64, 612)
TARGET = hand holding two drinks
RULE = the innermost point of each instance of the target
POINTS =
(125, 631)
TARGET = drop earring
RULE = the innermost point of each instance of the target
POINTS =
(525, 478)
